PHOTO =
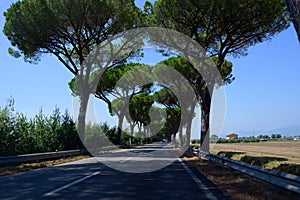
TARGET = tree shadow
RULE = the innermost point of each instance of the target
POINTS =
(229, 154)
(289, 168)
(261, 160)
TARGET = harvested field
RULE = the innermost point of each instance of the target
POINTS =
(289, 150)
(282, 155)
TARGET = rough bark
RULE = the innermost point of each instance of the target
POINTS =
(188, 133)
(204, 140)
(189, 121)
(131, 133)
(294, 9)
(180, 136)
(169, 138)
(84, 98)
(174, 140)
(119, 131)
(205, 104)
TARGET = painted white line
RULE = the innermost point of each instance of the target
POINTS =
(70, 184)
(126, 160)
(208, 194)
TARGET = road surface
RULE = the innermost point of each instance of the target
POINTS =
(91, 179)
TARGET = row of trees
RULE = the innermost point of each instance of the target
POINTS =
(150, 109)
(57, 132)
(21, 135)
(72, 29)
(273, 137)
(97, 135)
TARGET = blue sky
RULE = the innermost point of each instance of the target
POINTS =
(264, 96)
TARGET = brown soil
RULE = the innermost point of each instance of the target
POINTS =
(285, 149)
(238, 185)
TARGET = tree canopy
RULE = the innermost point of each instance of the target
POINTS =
(294, 9)
(74, 31)
(68, 29)
(221, 27)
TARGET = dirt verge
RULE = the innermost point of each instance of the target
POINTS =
(238, 185)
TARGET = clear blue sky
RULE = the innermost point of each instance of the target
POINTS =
(264, 96)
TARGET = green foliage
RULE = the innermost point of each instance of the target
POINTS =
(223, 26)
(139, 107)
(294, 9)
(276, 136)
(196, 141)
(181, 65)
(263, 136)
(238, 140)
(20, 135)
(95, 135)
(68, 29)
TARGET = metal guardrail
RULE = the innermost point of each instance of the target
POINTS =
(39, 156)
(281, 179)
(49, 155)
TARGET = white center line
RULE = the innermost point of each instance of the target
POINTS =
(126, 159)
(51, 193)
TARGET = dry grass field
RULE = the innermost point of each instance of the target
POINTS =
(285, 149)
(279, 155)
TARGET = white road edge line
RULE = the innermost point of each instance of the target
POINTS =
(70, 184)
(208, 194)
(126, 159)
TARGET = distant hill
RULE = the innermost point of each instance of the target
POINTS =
(287, 131)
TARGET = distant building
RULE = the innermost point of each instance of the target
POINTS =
(297, 137)
(231, 136)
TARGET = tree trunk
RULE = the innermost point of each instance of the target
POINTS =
(188, 133)
(190, 116)
(294, 9)
(140, 130)
(169, 137)
(205, 104)
(131, 133)
(145, 132)
(180, 136)
(119, 132)
(174, 140)
(204, 140)
(84, 98)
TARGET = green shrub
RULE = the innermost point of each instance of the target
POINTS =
(20, 135)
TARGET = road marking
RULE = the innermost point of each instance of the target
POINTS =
(70, 184)
(208, 194)
(126, 159)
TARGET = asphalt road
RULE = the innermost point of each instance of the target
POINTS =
(149, 172)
